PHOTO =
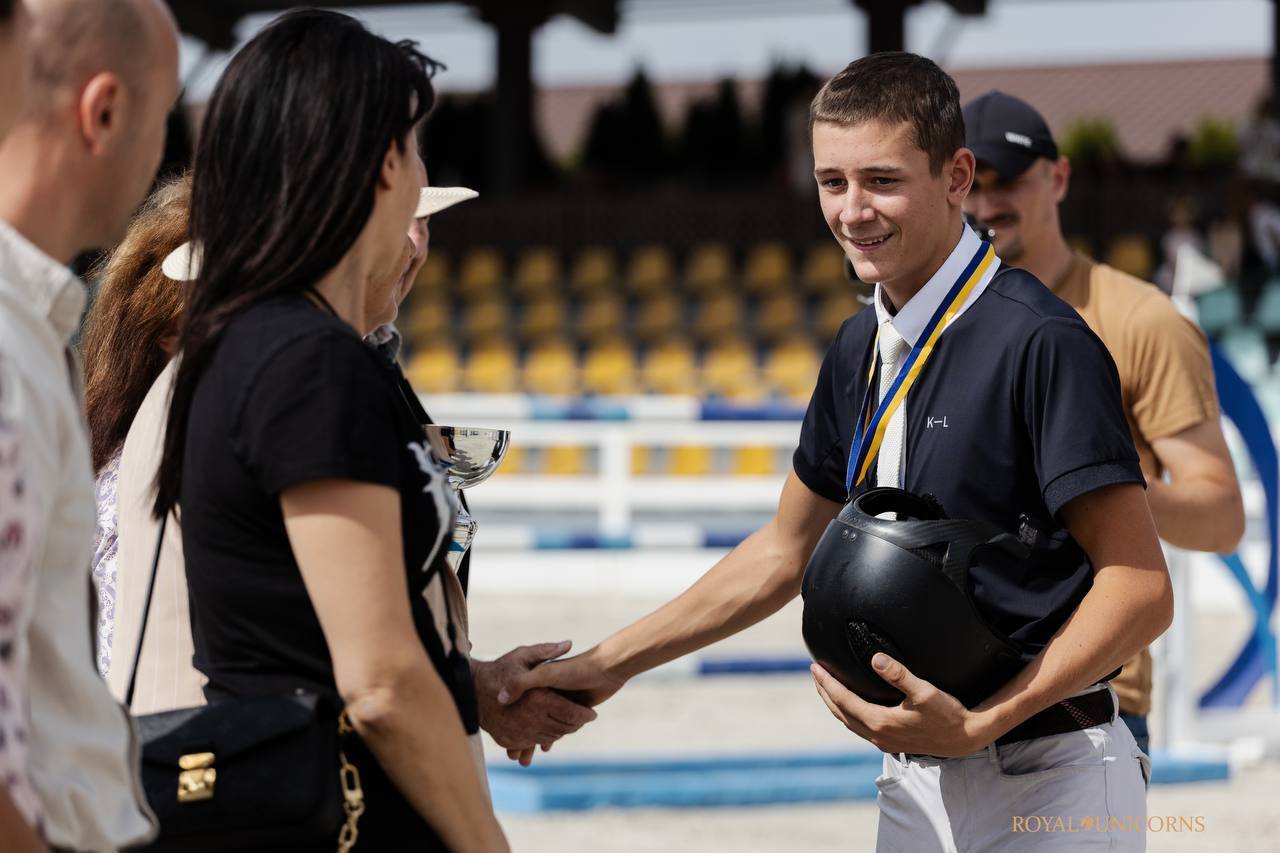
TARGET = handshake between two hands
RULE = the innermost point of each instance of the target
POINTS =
(526, 702)
(529, 699)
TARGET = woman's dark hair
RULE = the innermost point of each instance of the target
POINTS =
(136, 307)
(285, 177)
(6, 11)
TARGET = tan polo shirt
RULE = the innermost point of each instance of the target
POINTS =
(1166, 385)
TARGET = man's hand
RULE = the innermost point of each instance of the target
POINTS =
(540, 718)
(582, 678)
(927, 722)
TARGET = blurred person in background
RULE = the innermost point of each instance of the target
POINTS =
(313, 513)
(1039, 441)
(542, 716)
(1166, 378)
(72, 170)
(130, 337)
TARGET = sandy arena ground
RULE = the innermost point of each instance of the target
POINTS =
(665, 716)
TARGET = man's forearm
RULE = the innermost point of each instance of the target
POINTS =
(752, 582)
(1120, 615)
(1197, 514)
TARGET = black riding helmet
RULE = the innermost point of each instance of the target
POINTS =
(902, 587)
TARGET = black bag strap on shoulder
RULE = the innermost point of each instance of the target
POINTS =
(146, 614)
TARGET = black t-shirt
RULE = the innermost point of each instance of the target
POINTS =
(1017, 412)
(290, 396)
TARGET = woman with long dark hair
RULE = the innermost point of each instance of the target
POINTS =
(287, 449)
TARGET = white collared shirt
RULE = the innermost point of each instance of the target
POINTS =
(76, 759)
(914, 316)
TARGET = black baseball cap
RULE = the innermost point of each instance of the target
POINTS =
(1007, 134)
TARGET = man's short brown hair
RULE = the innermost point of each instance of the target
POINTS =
(896, 87)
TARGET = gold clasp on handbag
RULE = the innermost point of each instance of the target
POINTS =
(195, 782)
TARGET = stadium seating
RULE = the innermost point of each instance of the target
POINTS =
(767, 269)
(1219, 310)
(552, 368)
(651, 269)
(709, 269)
(606, 322)
(1131, 253)
(481, 274)
(537, 273)
(1266, 315)
(610, 368)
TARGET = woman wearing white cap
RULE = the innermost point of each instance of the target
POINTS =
(129, 379)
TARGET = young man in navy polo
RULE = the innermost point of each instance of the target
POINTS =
(1012, 410)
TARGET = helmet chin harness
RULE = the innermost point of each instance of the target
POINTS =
(901, 585)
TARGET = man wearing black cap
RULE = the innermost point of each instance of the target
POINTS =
(1166, 378)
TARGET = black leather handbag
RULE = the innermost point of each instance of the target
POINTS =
(247, 774)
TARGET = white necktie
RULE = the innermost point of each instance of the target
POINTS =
(889, 462)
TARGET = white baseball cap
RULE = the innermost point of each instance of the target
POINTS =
(183, 263)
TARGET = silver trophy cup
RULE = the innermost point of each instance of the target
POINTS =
(472, 455)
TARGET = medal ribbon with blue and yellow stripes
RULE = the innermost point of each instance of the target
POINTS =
(875, 420)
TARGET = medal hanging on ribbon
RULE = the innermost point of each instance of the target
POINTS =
(874, 420)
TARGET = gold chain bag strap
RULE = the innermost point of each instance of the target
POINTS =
(352, 793)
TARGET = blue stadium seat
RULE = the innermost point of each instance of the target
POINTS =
(1266, 316)
(1219, 310)
(1246, 349)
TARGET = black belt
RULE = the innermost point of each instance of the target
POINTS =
(1069, 715)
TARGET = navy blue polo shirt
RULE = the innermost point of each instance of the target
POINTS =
(1017, 412)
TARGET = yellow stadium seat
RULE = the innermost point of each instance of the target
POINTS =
(537, 273)
(729, 370)
(542, 318)
(717, 316)
(641, 461)
(551, 368)
(486, 318)
(601, 318)
(658, 316)
(690, 461)
(492, 368)
(481, 273)
(670, 368)
(429, 317)
(768, 269)
(778, 317)
(434, 275)
(753, 461)
(595, 270)
(610, 368)
(791, 369)
(513, 462)
(834, 310)
(1081, 244)
(434, 368)
(650, 270)
(1131, 253)
(564, 460)
(824, 268)
(709, 269)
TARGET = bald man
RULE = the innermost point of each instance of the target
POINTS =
(104, 76)
(15, 64)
